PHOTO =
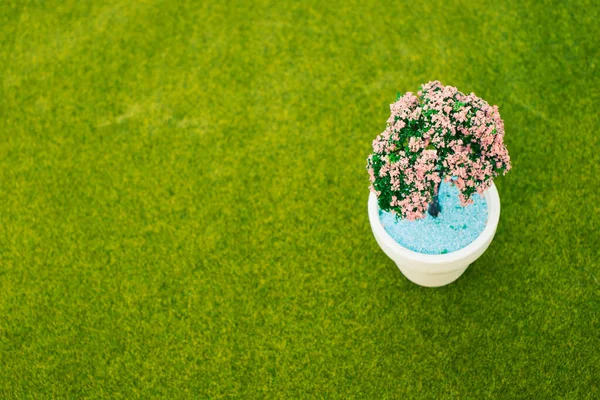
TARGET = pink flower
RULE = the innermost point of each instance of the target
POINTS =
(415, 144)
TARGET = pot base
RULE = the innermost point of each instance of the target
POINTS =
(427, 279)
(434, 270)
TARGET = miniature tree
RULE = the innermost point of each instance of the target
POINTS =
(442, 134)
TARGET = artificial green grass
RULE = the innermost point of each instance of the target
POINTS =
(183, 201)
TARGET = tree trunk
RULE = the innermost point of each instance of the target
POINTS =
(434, 207)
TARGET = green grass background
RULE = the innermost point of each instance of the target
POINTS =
(183, 201)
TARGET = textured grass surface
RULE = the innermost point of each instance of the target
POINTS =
(183, 201)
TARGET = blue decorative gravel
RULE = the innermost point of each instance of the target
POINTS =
(454, 228)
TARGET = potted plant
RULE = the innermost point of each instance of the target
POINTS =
(433, 207)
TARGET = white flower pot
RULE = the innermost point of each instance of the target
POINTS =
(435, 270)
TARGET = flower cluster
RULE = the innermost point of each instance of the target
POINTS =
(439, 134)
